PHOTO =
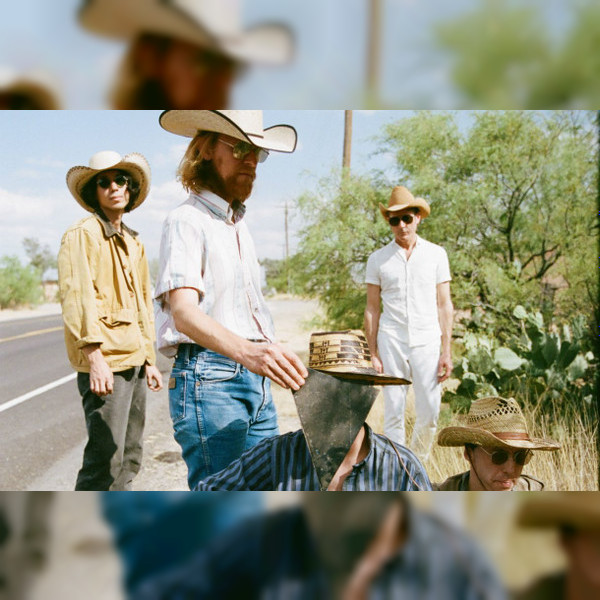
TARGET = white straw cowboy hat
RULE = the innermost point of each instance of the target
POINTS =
(494, 422)
(214, 24)
(346, 355)
(34, 85)
(580, 510)
(400, 199)
(133, 164)
(246, 125)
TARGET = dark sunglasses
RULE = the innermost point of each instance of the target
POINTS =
(104, 181)
(242, 149)
(499, 457)
(394, 221)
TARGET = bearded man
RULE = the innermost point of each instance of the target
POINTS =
(212, 316)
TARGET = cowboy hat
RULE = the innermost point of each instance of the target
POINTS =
(133, 164)
(245, 125)
(494, 422)
(208, 23)
(400, 199)
(346, 355)
(580, 510)
(34, 86)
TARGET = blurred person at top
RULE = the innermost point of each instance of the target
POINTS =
(32, 90)
(183, 54)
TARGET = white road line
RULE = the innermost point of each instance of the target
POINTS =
(36, 392)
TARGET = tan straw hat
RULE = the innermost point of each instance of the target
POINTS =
(245, 125)
(213, 24)
(400, 199)
(580, 510)
(345, 354)
(133, 164)
(494, 422)
(35, 86)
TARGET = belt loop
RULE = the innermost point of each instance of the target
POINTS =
(183, 353)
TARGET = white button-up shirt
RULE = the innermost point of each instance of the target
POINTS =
(202, 248)
(409, 289)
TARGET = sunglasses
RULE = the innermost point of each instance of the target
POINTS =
(105, 182)
(499, 457)
(394, 221)
(242, 149)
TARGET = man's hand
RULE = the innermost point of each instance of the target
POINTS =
(377, 364)
(154, 378)
(101, 377)
(445, 367)
(275, 362)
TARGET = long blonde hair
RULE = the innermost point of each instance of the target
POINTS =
(195, 172)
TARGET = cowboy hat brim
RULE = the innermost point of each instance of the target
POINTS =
(187, 123)
(424, 208)
(134, 164)
(459, 436)
(368, 376)
(269, 43)
(580, 510)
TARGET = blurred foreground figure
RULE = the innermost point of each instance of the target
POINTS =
(183, 54)
(576, 516)
(335, 450)
(27, 91)
(497, 447)
(24, 536)
(346, 546)
(156, 532)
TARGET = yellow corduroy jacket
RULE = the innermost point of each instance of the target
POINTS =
(105, 293)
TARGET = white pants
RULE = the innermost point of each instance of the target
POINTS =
(419, 364)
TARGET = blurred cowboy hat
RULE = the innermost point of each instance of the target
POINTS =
(134, 164)
(497, 423)
(208, 23)
(37, 87)
(346, 355)
(245, 125)
(580, 510)
(400, 199)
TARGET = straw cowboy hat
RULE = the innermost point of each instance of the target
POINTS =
(580, 510)
(133, 164)
(245, 125)
(36, 86)
(215, 24)
(400, 199)
(345, 354)
(497, 423)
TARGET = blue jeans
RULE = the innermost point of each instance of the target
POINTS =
(219, 409)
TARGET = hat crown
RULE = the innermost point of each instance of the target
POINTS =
(249, 121)
(339, 351)
(104, 160)
(497, 415)
(221, 18)
(401, 196)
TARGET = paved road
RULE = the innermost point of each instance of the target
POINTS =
(37, 432)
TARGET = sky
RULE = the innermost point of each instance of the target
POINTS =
(328, 71)
(39, 147)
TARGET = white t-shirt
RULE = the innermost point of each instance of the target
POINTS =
(201, 248)
(409, 289)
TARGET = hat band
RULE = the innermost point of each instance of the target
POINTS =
(511, 435)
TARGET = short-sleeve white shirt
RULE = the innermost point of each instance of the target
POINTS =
(202, 248)
(409, 289)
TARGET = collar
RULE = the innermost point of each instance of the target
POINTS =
(109, 228)
(220, 208)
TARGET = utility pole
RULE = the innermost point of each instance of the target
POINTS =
(287, 249)
(347, 141)
(374, 51)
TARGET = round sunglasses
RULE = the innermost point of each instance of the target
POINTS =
(105, 182)
(242, 149)
(499, 457)
(395, 221)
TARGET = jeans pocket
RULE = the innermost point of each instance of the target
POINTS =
(215, 368)
(177, 396)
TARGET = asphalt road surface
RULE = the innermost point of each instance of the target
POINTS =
(37, 432)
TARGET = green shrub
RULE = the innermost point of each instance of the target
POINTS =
(19, 285)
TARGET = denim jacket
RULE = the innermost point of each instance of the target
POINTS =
(105, 292)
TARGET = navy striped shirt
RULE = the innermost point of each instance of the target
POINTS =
(283, 463)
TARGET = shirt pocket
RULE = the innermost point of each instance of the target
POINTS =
(120, 332)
